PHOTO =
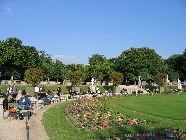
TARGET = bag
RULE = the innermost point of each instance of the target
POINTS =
(12, 110)
(21, 117)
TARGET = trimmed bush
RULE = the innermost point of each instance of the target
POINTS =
(169, 88)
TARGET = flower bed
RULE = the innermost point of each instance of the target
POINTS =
(91, 114)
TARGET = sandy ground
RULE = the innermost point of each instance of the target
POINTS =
(16, 129)
(11, 129)
(37, 130)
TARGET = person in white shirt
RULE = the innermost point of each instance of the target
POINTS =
(9, 89)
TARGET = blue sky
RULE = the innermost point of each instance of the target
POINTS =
(73, 30)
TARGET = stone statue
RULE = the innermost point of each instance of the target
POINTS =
(167, 79)
(139, 81)
(92, 81)
(179, 84)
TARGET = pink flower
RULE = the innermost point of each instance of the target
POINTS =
(132, 122)
(106, 123)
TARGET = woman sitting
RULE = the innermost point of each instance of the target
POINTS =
(11, 110)
(24, 102)
(7, 100)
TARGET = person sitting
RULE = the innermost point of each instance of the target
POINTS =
(56, 95)
(11, 110)
(8, 99)
(58, 91)
(24, 102)
(44, 97)
(14, 91)
(122, 91)
(49, 95)
(19, 95)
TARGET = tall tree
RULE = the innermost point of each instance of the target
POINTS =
(132, 62)
(100, 67)
(177, 62)
(15, 58)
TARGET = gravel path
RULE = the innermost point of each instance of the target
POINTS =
(11, 129)
(16, 129)
(37, 130)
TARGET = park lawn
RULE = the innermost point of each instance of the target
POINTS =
(58, 126)
(164, 111)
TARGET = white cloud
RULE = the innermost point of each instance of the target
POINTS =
(66, 59)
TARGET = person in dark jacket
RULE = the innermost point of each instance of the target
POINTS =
(14, 91)
(7, 100)
(24, 102)
(59, 91)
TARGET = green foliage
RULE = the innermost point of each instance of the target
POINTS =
(104, 88)
(77, 67)
(160, 78)
(100, 68)
(85, 87)
(117, 78)
(173, 75)
(132, 62)
(150, 87)
(76, 77)
(145, 76)
(169, 89)
(178, 64)
(33, 76)
(158, 109)
(15, 58)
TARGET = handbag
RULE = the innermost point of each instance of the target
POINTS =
(12, 110)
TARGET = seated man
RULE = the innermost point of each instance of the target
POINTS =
(24, 102)
(43, 97)
(49, 94)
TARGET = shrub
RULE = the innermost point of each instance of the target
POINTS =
(150, 87)
(160, 78)
(33, 76)
(76, 77)
(117, 78)
(169, 88)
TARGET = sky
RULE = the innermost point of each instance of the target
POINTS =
(73, 30)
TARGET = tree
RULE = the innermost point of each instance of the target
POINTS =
(160, 78)
(100, 67)
(15, 58)
(76, 77)
(59, 71)
(45, 64)
(177, 62)
(117, 78)
(132, 63)
(173, 75)
(33, 76)
(145, 76)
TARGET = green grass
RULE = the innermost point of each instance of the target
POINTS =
(165, 111)
(58, 126)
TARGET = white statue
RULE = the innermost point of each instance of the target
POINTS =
(179, 84)
(167, 79)
(139, 81)
(92, 81)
